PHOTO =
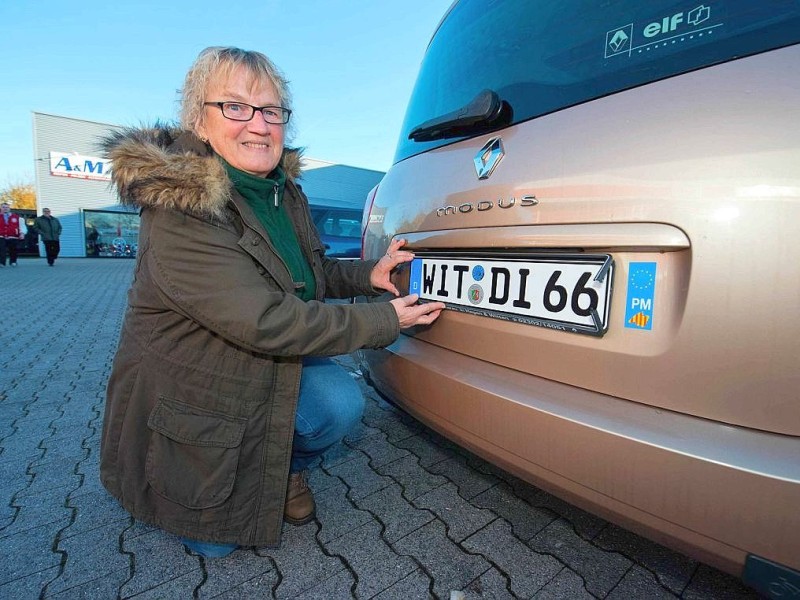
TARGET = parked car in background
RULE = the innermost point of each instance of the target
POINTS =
(340, 230)
(607, 196)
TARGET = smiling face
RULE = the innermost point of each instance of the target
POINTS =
(253, 146)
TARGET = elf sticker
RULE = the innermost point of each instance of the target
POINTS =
(641, 294)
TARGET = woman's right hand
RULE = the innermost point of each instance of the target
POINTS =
(409, 313)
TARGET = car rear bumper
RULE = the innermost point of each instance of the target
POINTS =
(694, 484)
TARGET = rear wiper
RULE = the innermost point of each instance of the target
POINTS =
(483, 112)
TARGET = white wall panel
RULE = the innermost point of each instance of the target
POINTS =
(67, 196)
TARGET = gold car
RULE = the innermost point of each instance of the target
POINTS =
(607, 197)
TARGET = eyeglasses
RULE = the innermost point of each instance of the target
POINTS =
(238, 111)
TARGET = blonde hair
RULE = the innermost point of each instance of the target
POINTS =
(220, 61)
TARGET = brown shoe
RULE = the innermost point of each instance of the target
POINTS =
(300, 507)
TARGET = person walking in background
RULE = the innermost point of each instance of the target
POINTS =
(49, 228)
(10, 234)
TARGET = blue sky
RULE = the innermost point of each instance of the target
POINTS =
(351, 65)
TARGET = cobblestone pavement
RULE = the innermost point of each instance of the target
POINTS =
(402, 513)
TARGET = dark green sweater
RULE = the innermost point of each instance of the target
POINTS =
(265, 197)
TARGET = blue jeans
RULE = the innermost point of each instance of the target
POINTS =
(330, 405)
(208, 549)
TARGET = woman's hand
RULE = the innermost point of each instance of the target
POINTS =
(409, 313)
(379, 278)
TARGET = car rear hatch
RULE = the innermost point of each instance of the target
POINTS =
(687, 190)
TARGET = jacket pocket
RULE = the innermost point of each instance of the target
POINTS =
(193, 453)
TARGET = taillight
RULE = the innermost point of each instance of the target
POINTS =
(365, 216)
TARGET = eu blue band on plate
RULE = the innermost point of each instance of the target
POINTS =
(641, 294)
(415, 278)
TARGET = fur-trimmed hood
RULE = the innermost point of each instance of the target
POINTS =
(163, 166)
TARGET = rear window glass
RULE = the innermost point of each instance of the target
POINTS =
(541, 56)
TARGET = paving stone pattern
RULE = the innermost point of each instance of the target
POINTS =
(403, 513)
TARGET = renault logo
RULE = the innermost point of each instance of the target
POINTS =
(488, 157)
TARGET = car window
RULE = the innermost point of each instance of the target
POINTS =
(337, 222)
(545, 56)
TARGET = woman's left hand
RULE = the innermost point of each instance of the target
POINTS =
(379, 278)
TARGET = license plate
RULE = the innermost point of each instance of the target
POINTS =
(565, 292)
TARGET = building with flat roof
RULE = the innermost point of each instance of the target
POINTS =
(73, 180)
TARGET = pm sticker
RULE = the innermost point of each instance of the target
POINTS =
(641, 292)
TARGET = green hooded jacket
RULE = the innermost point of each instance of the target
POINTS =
(201, 400)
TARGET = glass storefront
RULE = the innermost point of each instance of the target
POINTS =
(111, 234)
